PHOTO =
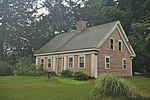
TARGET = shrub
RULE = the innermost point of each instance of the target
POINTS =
(53, 73)
(25, 67)
(80, 76)
(38, 72)
(5, 68)
(67, 73)
(111, 85)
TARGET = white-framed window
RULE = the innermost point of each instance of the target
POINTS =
(49, 62)
(107, 62)
(124, 64)
(70, 61)
(120, 45)
(81, 60)
(42, 62)
(112, 43)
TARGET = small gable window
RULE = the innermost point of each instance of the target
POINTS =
(49, 62)
(124, 66)
(120, 45)
(42, 62)
(81, 61)
(112, 43)
(107, 62)
(70, 62)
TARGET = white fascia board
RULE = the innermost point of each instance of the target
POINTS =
(125, 36)
(64, 52)
(107, 35)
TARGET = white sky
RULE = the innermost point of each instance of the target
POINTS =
(42, 10)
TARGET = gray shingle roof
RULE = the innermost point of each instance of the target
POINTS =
(88, 38)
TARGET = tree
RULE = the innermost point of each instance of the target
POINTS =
(5, 68)
(16, 32)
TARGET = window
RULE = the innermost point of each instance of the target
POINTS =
(112, 43)
(49, 62)
(42, 62)
(70, 62)
(107, 62)
(120, 45)
(124, 66)
(81, 61)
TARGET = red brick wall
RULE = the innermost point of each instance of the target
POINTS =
(87, 68)
(115, 57)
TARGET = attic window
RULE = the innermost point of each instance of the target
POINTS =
(112, 43)
(120, 45)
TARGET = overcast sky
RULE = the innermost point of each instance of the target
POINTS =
(42, 10)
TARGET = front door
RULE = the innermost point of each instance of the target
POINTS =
(59, 65)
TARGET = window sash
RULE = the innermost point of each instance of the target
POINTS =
(120, 45)
(124, 66)
(70, 62)
(112, 43)
(107, 62)
(42, 62)
(49, 63)
(81, 61)
(107, 65)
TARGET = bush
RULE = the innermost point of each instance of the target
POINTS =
(38, 72)
(5, 68)
(25, 67)
(67, 73)
(53, 73)
(80, 76)
(111, 85)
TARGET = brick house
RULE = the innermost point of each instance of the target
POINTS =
(94, 50)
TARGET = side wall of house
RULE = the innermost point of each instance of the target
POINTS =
(116, 57)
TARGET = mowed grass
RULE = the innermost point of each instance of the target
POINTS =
(143, 84)
(39, 88)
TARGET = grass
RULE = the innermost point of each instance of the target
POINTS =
(143, 84)
(39, 88)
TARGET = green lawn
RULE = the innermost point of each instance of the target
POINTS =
(39, 88)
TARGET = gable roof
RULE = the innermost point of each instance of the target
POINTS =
(89, 39)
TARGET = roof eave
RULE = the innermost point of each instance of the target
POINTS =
(64, 52)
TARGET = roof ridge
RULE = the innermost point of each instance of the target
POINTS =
(103, 24)
(87, 38)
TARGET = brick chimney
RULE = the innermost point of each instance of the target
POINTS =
(81, 25)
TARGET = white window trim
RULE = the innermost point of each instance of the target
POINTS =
(73, 61)
(123, 64)
(105, 62)
(121, 45)
(48, 62)
(79, 61)
(113, 43)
